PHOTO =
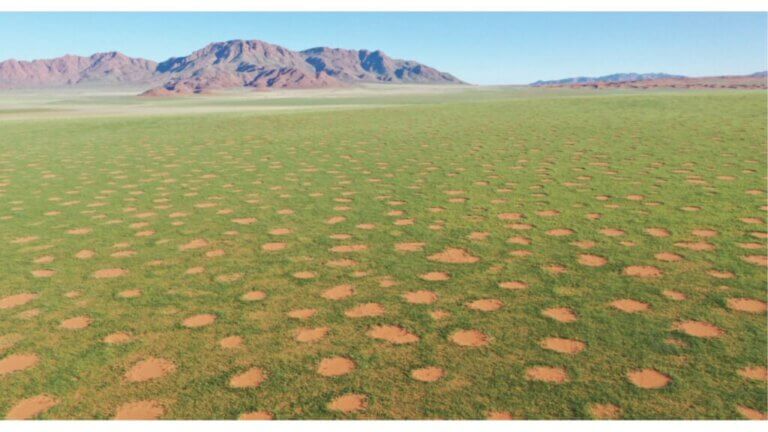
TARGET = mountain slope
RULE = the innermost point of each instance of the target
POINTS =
(239, 63)
(373, 66)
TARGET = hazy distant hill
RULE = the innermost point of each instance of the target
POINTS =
(111, 67)
(645, 81)
(617, 77)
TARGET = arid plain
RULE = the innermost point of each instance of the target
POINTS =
(383, 252)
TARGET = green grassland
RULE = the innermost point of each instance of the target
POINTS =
(424, 169)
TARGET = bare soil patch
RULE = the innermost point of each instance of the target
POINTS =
(117, 338)
(43, 273)
(30, 408)
(519, 240)
(76, 323)
(750, 245)
(555, 269)
(435, 276)
(427, 374)
(17, 300)
(699, 329)
(592, 260)
(251, 378)
(338, 292)
(513, 285)
(704, 233)
(349, 248)
(393, 334)
(757, 373)
(341, 263)
(499, 415)
(194, 270)
(335, 220)
(140, 410)
(696, 246)
(257, 415)
(231, 342)
(200, 320)
(253, 296)
(642, 271)
(409, 247)
(79, 231)
(674, 295)
(17, 362)
(629, 305)
(668, 257)
(132, 293)
(486, 305)
(109, 273)
(365, 310)
(85, 254)
(302, 314)
(561, 314)
(454, 256)
(420, 297)
(759, 260)
(280, 231)
(335, 366)
(311, 334)
(470, 338)
(46, 259)
(720, 274)
(747, 305)
(751, 414)
(648, 378)
(149, 369)
(194, 244)
(604, 411)
(563, 346)
(215, 253)
(547, 213)
(349, 403)
(305, 275)
(584, 244)
(548, 374)
(274, 246)
(657, 232)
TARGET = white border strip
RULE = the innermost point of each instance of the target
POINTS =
(377, 426)
(382, 5)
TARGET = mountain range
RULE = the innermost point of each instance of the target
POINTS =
(617, 77)
(221, 65)
(756, 80)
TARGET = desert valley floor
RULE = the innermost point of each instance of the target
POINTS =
(464, 254)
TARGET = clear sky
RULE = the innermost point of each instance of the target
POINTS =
(482, 48)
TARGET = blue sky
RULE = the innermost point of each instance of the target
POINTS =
(482, 48)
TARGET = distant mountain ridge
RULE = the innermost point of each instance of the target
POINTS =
(222, 65)
(69, 70)
(617, 77)
(753, 81)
